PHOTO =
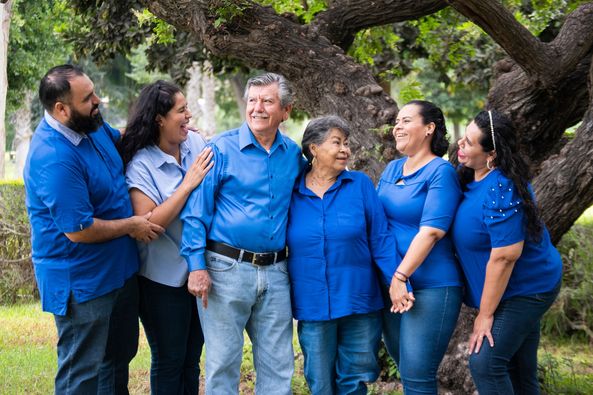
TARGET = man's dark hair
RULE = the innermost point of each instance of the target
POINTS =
(55, 85)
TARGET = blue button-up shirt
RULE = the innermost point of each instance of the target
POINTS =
(338, 246)
(70, 179)
(158, 175)
(243, 201)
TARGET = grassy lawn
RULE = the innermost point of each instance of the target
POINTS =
(28, 360)
(28, 356)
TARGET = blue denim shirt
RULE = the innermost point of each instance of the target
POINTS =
(158, 175)
(69, 180)
(340, 249)
(243, 201)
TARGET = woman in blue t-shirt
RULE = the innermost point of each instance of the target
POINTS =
(511, 268)
(420, 194)
(165, 162)
(340, 252)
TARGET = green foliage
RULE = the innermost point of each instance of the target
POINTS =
(572, 313)
(305, 11)
(17, 281)
(226, 10)
(162, 32)
(35, 44)
(558, 376)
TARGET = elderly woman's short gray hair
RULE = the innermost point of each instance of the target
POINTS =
(284, 89)
(317, 132)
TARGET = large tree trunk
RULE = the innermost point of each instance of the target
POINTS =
(5, 13)
(21, 119)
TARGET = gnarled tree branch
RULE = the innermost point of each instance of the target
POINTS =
(566, 179)
(344, 18)
(531, 54)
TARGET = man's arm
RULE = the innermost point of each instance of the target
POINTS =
(137, 227)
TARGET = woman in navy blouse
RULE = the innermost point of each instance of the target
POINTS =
(420, 193)
(340, 252)
(165, 161)
(512, 270)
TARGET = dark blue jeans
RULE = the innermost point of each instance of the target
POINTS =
(417, 340)
(170, 318)
(97, 340)
(341, 355)
(510, 367)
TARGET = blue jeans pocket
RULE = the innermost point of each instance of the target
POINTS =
(216, 264)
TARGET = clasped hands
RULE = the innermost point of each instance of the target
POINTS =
(402, 300)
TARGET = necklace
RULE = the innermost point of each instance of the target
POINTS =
(321, 182)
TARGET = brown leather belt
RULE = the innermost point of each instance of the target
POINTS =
(255, 258)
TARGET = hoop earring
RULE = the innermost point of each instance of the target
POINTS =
(489, 164)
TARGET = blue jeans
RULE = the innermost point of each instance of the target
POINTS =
(341, 354)
(97, 340)
(510, 367)
(417, 340)
(255, 298)
(170, 318)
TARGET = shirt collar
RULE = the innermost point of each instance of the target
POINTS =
(158, 157)
(72, 136)
(247, 138)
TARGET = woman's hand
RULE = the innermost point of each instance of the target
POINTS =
(198, 170)
(401, 299)
(482, 327)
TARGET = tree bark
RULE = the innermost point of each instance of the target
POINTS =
(5, 13)
(21, 120)
(566, 179)
(325, 80)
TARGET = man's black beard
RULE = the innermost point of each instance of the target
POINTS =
(81, 123)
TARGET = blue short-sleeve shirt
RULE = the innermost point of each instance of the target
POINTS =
(340, 249)
(491, 215)
(427, 197)
(158, 175)
(69, 180)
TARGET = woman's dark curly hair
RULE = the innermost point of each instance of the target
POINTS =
(142, 129)
(510, 162)
(439, 144)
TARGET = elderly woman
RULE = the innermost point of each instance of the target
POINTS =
(338, 242)
(420, 194)
(165, 162)
(512, 270)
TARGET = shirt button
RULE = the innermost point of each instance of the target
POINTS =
(271, 176)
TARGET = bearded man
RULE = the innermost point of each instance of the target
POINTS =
(82, 236)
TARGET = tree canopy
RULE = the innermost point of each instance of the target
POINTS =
(533, 59)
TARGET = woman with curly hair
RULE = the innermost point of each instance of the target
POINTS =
(511, 268)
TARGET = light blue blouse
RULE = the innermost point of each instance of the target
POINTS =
(157, 175)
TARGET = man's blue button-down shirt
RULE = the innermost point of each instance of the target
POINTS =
(243, 201)
(70, 179)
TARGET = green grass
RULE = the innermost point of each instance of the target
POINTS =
(28, 360)
(28, 356)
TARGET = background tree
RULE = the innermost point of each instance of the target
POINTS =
(5, 14)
